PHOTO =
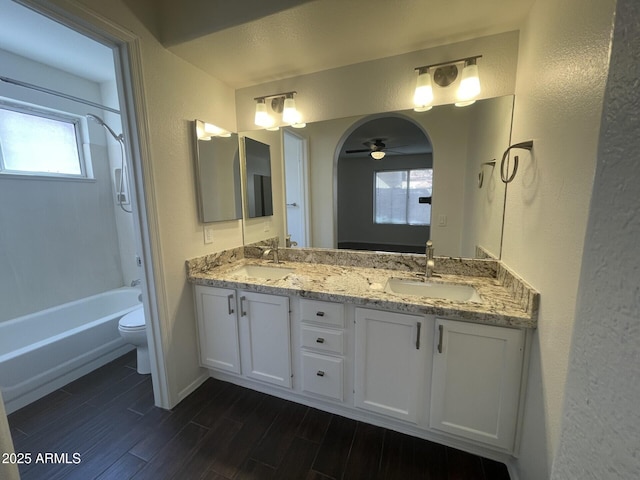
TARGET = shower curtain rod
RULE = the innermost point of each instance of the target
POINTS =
(58, 94)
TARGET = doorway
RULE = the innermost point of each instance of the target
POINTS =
(296, 172)
(112, 102)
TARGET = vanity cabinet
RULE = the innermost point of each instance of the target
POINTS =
(245, 333)
(477, 371)
(391, 362)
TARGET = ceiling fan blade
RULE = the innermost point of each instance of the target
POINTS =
(361, 150)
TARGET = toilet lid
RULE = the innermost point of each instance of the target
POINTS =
(133, 319)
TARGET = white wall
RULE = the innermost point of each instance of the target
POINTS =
(58, 238)
(601, 420)
(562, 67)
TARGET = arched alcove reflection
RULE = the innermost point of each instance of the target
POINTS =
(384, 204)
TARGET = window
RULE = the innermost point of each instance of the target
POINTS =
(39, 142)
(397, 196)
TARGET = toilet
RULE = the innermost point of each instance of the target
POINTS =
(134, 331)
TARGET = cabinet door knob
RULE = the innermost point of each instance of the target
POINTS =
(320, 340)
(320, 373)
(320, 314)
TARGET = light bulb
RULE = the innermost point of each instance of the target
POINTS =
(423, 95)
(377, 154)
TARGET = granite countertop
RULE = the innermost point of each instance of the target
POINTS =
(506, 300)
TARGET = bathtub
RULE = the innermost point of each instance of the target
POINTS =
(44, 351)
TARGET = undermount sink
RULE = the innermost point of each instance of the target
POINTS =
(445, 291)
(266, 272)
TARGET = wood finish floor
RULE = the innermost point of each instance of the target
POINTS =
(221, 431)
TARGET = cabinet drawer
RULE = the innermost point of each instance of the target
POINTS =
(323, 339)
(322, 375)
(317, 311)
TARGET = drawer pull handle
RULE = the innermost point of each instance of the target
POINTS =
(320, 373)
(320, 340)
(320, 314)
(440, 335)
(419, 325)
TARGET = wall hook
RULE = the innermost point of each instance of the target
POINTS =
(492, 164)
(528, 145)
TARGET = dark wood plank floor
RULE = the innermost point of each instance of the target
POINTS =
(221, 431)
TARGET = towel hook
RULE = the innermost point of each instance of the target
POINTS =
(528, 145)
(492, 164)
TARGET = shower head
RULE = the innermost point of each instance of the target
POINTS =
(101, 122)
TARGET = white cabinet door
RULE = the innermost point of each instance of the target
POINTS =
(476, 381)
(390, 363)
(265, 338)
(218, 328)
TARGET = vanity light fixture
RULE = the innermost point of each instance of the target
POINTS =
(444, 74)
(207, 130)
(281, 103)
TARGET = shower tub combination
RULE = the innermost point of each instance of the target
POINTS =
(44, 351)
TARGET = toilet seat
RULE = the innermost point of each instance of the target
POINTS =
(133, 320)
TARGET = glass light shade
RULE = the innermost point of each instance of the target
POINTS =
(289, 113)
(423, 95)
(262, 118)
(469, 84)
(377, 155)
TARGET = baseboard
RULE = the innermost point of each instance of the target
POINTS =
(189, 389)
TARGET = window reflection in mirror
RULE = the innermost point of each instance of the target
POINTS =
(218, 178)
(258, 181)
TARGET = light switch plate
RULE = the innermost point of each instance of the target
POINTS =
(208, 234)
(442, 221)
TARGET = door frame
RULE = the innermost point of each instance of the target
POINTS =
(304, 155)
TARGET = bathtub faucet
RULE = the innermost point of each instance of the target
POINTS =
(136, 282)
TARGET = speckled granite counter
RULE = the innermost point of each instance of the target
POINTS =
(359, 278)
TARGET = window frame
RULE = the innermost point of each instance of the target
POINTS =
(86, 173)
(407, 196)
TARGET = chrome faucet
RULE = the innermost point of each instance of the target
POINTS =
(430, 264)
(136, 282)
(273, 251)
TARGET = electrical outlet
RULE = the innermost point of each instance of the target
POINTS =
(442, 221)
(208, 234)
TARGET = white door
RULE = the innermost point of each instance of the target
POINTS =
(390, 363)
(218, 328)
(295, 164)
(265, 338)
(476, 381)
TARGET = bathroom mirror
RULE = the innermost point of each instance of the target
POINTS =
(258, 178)
(218, 178)
(466, 218)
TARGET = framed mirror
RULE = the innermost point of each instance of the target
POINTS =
(258, 185)
(217, 177)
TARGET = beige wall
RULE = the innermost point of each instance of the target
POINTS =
(562, 68)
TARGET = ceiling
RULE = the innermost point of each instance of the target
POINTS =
(248, 42)
(324, 34)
